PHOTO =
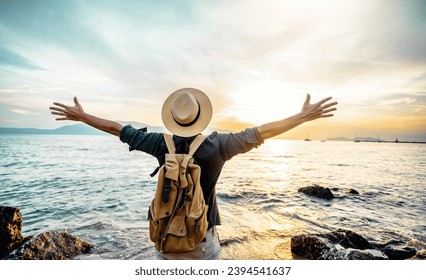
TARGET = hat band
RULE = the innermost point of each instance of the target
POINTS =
(192, 122)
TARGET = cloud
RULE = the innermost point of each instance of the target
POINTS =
(399, 32)
(9, 58)
(409, 104)
(256, 60)
(21, 112)
(36, 25)
(400, 101)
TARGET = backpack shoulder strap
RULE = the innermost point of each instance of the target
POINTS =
(170, 144)
(196, 143)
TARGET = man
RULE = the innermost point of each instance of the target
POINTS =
(186, 113)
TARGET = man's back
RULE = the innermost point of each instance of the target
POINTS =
(216, 149)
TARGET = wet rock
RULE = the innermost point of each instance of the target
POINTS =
(365, 255)
(10, 230)
(51, 246)
(397, 250)
(416, 244)
(421, 255)
(317, 191)
(312, 247)
(400, 253)
(348, 239)
(353, 191)
(336, 245)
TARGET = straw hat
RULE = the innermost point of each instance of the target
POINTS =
(187, 112)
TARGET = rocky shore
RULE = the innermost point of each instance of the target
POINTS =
(340, 244)
(50, 245)
(346, 244)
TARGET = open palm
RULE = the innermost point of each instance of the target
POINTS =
(72, 113)
(317, 110)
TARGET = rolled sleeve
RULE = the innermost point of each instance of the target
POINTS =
(141, 140)
(232, 144)
(132, 136)
(254, 136)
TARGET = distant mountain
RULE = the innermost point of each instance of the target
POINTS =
(12, 130)
(83, 129)
(338, 139)
(141, 125)
(78, 129)
(361, 139)
(369, 139)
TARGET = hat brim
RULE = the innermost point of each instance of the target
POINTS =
(206, 112)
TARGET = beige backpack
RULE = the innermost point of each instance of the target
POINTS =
(178, 212)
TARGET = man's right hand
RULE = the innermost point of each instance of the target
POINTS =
(72, 113)
(76, 113)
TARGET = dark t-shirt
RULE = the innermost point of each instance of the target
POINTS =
(210, 156)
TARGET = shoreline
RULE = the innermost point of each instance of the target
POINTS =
(396, 142)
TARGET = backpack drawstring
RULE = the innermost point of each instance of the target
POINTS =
(163, 238)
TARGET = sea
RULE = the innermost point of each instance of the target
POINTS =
(94, 188)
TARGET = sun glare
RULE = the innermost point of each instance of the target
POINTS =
(258, 103)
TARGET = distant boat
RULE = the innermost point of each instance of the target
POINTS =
(322, 140)
(356, 140)
(307, 138)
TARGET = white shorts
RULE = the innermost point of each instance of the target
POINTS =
(206, 250)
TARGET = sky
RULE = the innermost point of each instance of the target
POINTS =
(256, 60)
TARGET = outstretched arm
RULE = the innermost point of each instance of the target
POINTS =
(309, 112)
(76, 113)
